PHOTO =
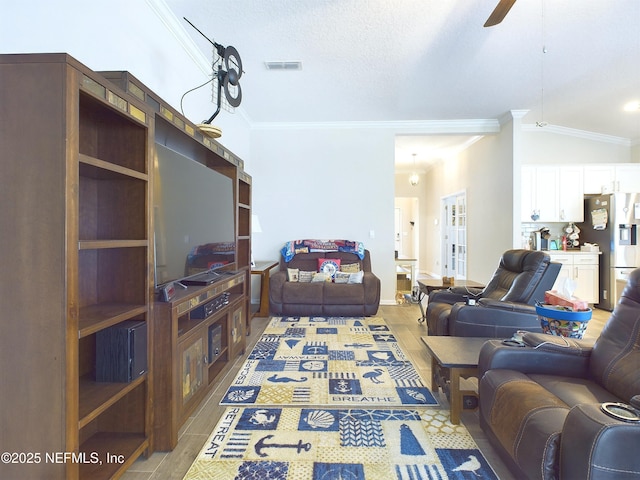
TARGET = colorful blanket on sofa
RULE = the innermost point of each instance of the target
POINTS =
(306, 246)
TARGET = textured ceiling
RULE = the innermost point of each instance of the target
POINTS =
(431, 60)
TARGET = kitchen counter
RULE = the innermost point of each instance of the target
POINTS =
(574, 251)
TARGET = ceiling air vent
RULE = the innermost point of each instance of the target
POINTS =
(283, 65)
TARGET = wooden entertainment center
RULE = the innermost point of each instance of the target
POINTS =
(77, 150)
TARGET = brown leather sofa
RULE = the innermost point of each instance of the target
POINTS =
(324, 298)
(541, 404)
(504, 306)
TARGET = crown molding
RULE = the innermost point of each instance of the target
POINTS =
(176, 28)
(173, 24)
(466, 127)
(573, 132)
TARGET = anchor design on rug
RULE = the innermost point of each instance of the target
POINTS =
(274, 378)
(261, 445)
(315, 349)
(343, 387)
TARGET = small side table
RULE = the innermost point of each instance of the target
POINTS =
(264, 270)
(407, 264)
(460, 355)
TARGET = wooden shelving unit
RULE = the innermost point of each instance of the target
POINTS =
(180, 385)
(76, 149)
(86, 170)
(190, 366)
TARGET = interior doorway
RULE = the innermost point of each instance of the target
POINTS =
(406, 210)
(406, 220)
(454, 235)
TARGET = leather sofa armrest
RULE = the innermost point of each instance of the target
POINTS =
(492, 319)
(552, 343)
(508, 306)
(596, 446)
(370, 277)
(495, 354)
(453, 294)
(276, 282)
(371, 285)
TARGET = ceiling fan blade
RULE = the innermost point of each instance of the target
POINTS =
(499, 12)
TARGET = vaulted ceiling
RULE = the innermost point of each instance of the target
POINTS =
(570, 63)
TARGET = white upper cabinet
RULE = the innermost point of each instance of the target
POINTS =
(627, 178)
(552, 194)
(618, 177)
(571, 196)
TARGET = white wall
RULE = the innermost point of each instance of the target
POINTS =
(326, 183)
(484, 171)
(540, 146)
(119, 35)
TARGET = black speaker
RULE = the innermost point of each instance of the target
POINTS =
(215, 342)
(121, 352)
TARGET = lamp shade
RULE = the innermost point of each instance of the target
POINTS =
(255, 224)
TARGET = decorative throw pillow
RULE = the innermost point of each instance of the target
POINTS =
(329, 266)
(321, 277)
(350, 268)
(292, 274)
(356, 277)
(341, 277)
(305, 277)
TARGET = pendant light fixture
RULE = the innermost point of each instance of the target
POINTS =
(414, 178)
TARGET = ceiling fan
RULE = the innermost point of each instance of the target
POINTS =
(499, 12)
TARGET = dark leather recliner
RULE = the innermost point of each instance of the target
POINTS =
(505, 305)
(540, 405)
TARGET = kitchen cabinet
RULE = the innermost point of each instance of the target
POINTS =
(552, 193)
(201, 331)
(618, 177)
(627, 178)
(571, 194)
(539, 194)
(581, 267)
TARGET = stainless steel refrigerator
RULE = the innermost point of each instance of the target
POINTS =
(611, 221)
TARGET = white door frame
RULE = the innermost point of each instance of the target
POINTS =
(452, 234)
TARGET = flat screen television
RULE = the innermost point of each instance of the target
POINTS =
(193, 218)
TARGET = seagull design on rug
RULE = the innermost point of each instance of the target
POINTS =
(373, 376)
(470, 465)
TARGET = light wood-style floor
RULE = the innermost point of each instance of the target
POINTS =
(402, 319)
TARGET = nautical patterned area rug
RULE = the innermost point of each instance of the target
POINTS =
(326, 443)
(328, 361)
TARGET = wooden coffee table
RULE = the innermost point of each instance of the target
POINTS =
(460, 356)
